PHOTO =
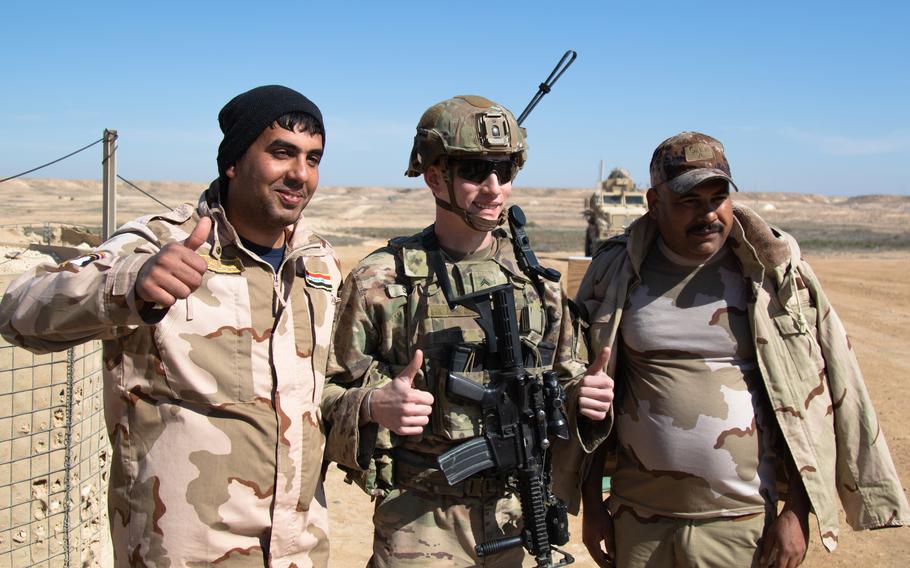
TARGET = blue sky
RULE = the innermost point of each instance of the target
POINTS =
(806, 96)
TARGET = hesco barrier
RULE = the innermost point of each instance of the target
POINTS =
(54, 459)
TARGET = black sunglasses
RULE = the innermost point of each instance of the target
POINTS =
(478, 169)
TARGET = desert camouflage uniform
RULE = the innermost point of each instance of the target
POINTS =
(694, 432)
(386, 313)
(212, 405)
(808, 370)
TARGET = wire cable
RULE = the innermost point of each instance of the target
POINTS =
(86, 147)
(140, 190)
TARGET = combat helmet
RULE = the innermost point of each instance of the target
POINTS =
(465, 126)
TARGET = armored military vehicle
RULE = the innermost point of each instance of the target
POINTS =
(614, 204)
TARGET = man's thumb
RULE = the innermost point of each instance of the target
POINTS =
(413, 367)
(600, 364)
(200, 234)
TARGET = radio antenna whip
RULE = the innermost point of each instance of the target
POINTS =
(547, 85)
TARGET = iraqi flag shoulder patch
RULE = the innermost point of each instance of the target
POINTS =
(85, 260)
(318, 280)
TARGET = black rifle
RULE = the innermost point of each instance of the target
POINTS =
(520, 412)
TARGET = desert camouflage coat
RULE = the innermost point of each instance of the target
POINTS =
(212, 405)
(386, 312)
(808, 368)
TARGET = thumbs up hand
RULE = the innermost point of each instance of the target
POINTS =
(176, 271)
(595, 393)
(400, 407)
(199, 235)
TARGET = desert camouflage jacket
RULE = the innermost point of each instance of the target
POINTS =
(825, 417)
(386, 312)
(212, 406)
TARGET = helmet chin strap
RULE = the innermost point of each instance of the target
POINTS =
(472, 220)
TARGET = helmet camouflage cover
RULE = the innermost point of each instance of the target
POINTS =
(466, 125)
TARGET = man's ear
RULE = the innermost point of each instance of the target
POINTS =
(653, 200)
(433, 178)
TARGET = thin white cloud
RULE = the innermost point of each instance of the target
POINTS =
(55, 118)
(843, 145)
(373, 129)
(175, 135)
(30, 118)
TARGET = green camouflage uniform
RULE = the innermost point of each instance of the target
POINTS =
(391, 305)
(212, 405)
(808, 371)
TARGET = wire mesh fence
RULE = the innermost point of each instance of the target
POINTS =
(54, 457)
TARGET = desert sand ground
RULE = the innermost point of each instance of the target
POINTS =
(860, 248)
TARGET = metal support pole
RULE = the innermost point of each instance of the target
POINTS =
(109, 182)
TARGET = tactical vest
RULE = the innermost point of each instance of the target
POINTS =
(436, 329)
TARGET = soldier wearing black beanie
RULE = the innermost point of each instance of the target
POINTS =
(217, 318)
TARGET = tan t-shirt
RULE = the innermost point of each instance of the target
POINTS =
(691, 420)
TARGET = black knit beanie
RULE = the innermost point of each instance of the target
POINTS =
(244, 118)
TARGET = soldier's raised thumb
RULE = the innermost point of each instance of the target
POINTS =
(410, 372)
(600, 364)
(200, 234)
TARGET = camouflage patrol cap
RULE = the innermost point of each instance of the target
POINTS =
(683, 161)
(466, 125)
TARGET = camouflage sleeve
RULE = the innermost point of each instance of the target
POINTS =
(599, 299)
(54, 307)
(867, 481)
(571, 362)
(350, 375)
(594, 297)
(601, 288)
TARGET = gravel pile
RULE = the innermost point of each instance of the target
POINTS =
(15, 260)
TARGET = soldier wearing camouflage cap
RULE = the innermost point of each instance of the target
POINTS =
(739, 388)
(386, 408)
(215, 319)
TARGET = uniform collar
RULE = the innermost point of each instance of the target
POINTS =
(758, 246)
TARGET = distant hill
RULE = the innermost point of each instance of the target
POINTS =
(355, 213)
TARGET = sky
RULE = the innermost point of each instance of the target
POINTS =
(806, 96)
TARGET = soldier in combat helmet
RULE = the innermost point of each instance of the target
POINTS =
(387, 413)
